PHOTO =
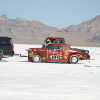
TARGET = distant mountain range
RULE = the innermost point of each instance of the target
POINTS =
(34, 32)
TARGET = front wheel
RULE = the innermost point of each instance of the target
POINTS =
(73, 59)
(36, 58)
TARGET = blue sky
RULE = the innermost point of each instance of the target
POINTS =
(55, 13)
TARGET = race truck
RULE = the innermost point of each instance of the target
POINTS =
(57, 52)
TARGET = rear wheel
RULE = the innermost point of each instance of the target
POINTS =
(1, 54)
(73, 59)
(36, 58)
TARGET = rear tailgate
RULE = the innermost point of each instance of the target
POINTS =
(7, 49)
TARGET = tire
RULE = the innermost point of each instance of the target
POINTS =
(36, 58)
(1, 54)
(73, 59)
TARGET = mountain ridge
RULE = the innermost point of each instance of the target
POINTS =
(34, 32)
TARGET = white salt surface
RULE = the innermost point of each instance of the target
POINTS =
(23, 80)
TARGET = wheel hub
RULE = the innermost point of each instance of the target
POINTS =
(36, 58)
(74, 59)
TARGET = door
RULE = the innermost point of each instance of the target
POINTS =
(65, 52)
(55, 53)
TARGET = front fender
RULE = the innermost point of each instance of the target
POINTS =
(80, 56)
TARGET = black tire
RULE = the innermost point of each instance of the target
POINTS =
(73, 59)
(36, 58)
(1, 54)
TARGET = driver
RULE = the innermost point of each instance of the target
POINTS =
(46, 43)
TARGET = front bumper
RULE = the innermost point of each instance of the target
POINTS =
(88, 56)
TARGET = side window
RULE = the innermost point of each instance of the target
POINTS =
(59, 47)
(58, 41)
(56, 47)
(61, 41)
(65, 47)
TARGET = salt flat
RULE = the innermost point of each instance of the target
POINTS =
(23, 80)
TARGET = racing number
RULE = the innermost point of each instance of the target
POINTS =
(55, 57)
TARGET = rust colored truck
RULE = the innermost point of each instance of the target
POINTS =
(57, 52)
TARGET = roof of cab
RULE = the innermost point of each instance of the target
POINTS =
(53, 37)
(5, 37)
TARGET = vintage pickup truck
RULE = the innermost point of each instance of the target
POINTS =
(57, 52)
